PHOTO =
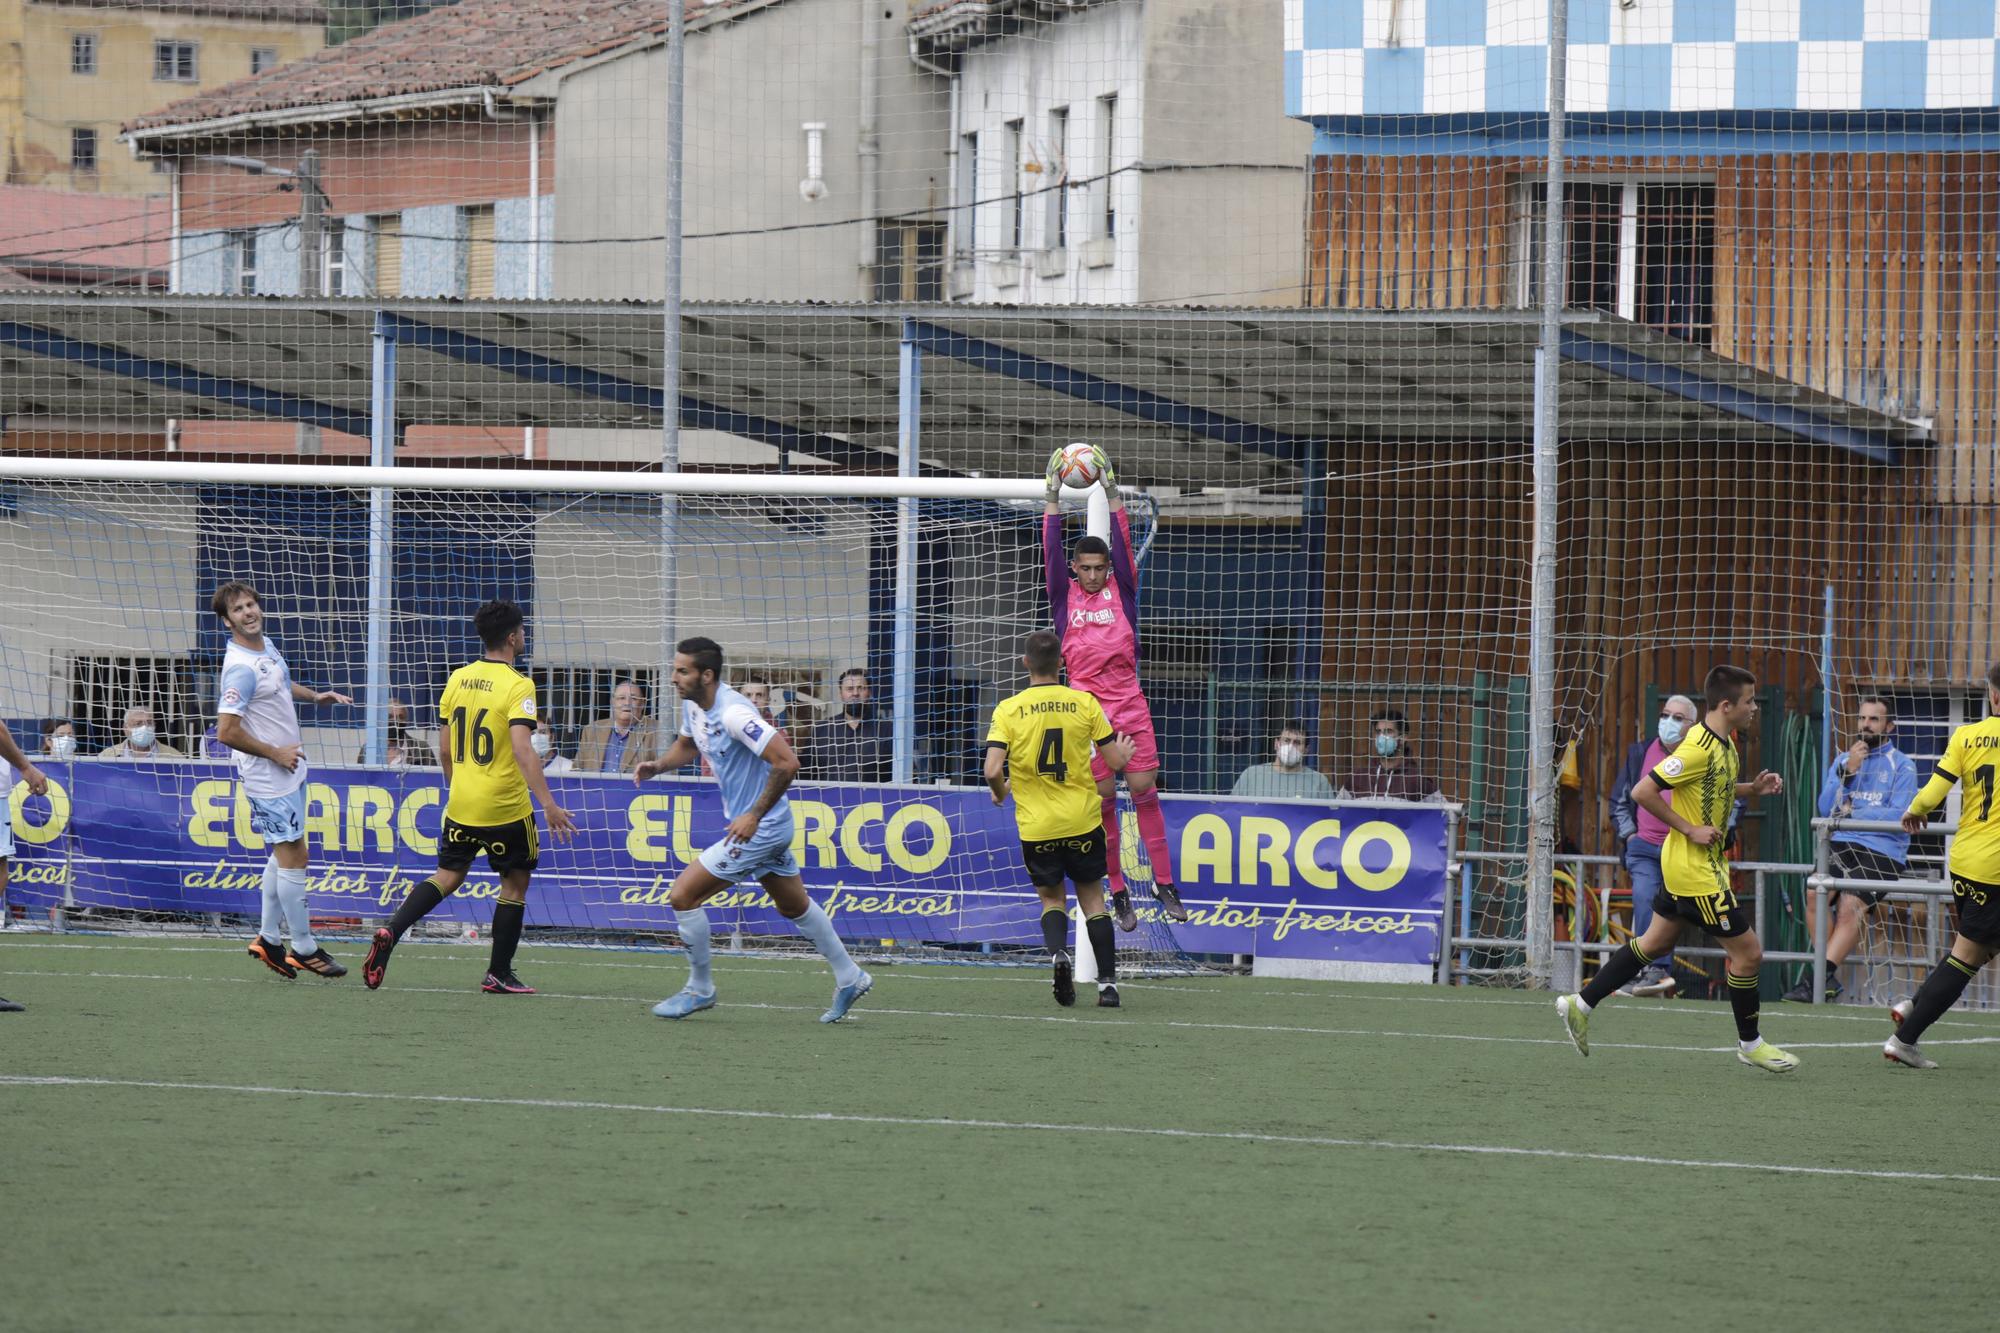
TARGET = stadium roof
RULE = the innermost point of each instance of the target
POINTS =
(1185, 395)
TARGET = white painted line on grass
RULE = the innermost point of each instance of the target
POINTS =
(1004, 1126)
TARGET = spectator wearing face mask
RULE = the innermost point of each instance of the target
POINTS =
(1392, 772)
(58, 740)
(1645, 836)
(141, 741)
(1287, 776)
(406, 748)
(544, 745)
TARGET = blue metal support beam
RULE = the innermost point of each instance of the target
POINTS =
(1094, 389)
(1875, 446)
(171, 375)
(695, 413)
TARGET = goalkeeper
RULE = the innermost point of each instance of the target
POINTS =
(1098, 624)
(1037, 748)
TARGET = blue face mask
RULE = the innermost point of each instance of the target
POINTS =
(1385, 744)
(1672, 729)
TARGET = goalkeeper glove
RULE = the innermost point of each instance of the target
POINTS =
(1106, 476)
(1052, 479)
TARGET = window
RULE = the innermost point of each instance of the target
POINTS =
(83, 150)
(83, 53)
(389, 255)
(175, 62)
(909, 261)
(1055, 179)
(243, 244)
(263, 58)
(1016, 204)
(1107, 151)
(479, 252)
(968, 195)
(1640, 249)
(333, 259)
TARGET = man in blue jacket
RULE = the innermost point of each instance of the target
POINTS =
(1873, 780)
(1644, 835)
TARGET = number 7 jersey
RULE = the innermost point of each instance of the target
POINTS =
(1972, 757)
(1047, 732)
(483, 702)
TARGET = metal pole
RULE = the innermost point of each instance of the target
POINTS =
(1822, 868)
(381, 539)
(312, 223)
(670, 346)
(909, 433)
(1542, 592)
(1826, 683)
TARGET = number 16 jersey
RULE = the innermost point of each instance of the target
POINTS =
(1973, 758)
(483, 702)
(1047, 731)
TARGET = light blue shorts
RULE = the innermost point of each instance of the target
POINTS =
(769, 853)
(6, 828)
(280, 819)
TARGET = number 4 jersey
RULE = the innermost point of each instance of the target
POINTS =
(1972, 757)
(1047, 731)
(483, 701)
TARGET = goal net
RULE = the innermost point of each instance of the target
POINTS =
(897, 837)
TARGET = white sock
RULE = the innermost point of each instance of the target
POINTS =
(292, 896)
(693, 928)
(817, 926)
(1580, 1002)
(273, 927)
(1748, 1046)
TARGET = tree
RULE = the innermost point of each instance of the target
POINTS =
(348, 19)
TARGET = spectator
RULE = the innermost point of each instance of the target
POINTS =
(759, 695)
(1390, 773)
(856, 746)
(1873, 780)
(141, 740)
(58, 739)
(544, 743)
(618, 743)
(1287, 775)
(1644, 835)
(406, 748)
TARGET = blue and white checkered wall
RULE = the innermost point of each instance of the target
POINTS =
(1444, 57)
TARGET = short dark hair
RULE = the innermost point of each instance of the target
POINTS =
(1090, 545)
(1887, 711)
(1043, 650)
(706, 654)
(1993, 676)
(1725, 683)
(1389, 715)
(49, 725)
(495, 621)
(852, 671)
(1289, 728)
(228, 593)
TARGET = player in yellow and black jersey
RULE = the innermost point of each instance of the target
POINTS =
(1973, 758)
(486, 723)
(1039, 747)
(1702, 775)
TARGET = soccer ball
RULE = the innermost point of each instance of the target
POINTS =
(1078, 468)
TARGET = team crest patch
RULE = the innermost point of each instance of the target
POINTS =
(1672, 766)
(751, 731)
(527, 708)
(232, 695)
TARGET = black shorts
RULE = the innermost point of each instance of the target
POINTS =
(1853, 861)
(1978, 905)
(1719, 914)
(508, 847)
(1078, 858)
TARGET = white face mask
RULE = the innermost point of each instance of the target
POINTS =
(141, 738)
(1290, 756)
(63, 748)
(540, 744)
(1672, 729)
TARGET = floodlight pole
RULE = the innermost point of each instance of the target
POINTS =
(1540, 887)
(381, 540)
(670, 352)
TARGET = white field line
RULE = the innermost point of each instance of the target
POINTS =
(860, 1015)
(432, 951)
(1004, 1126)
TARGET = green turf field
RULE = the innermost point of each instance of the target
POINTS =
(192, 1143)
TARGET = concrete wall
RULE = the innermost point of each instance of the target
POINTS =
(751, 84)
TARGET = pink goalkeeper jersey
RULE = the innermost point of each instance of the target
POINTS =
(1100, 631)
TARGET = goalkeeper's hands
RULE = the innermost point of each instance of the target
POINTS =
(1107, 477)
(1052, 479)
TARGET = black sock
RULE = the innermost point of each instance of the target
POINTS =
(1616, 970)
(1743, 1002)
(1104, 944)
(507, 918)
(1055, 929)
(1939, 992)
(421, 902)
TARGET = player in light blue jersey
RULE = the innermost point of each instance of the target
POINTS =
(255, 717)
(753, 764)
